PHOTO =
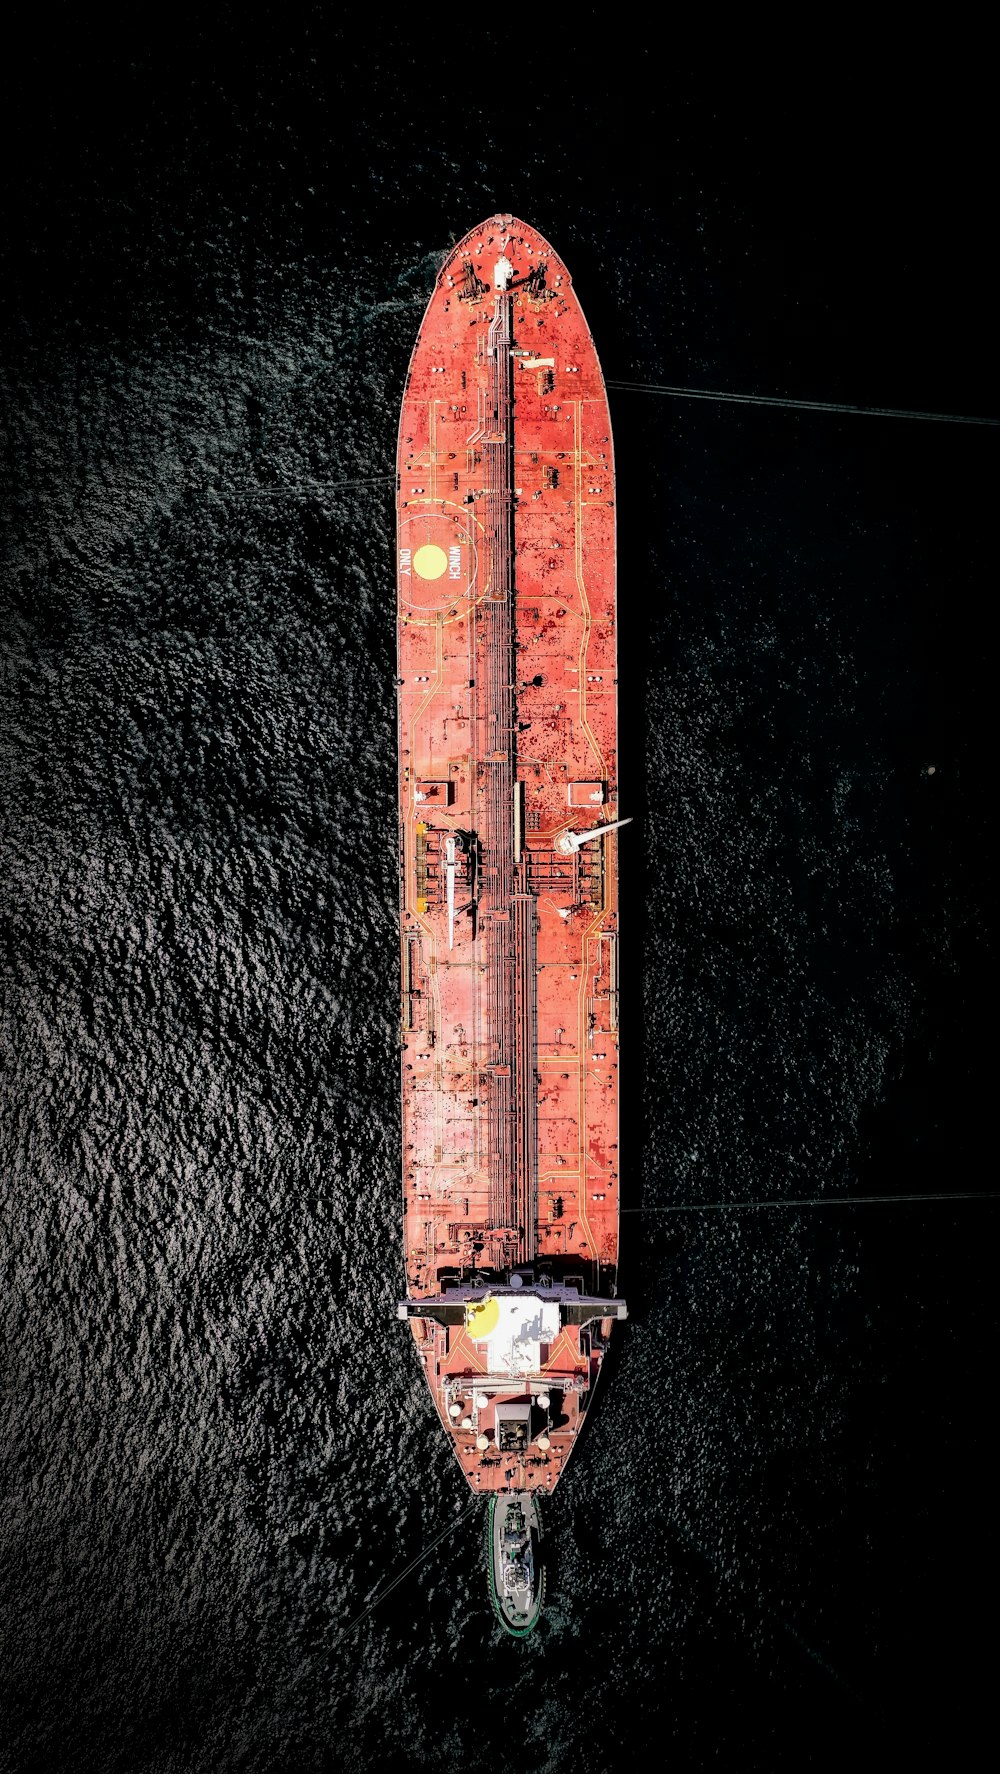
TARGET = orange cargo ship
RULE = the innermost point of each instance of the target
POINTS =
(508, 817)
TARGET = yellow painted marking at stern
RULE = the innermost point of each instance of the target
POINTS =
(482, 1318)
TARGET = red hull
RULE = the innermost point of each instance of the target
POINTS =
(507, 753)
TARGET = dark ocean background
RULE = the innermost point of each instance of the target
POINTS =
(775, 1546)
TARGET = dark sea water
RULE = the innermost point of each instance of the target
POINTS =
(775, 1545)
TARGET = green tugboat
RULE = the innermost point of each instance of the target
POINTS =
(517, 1575)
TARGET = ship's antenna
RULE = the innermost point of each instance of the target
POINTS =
(809, 406)
(381, 1594)
(820, 1201)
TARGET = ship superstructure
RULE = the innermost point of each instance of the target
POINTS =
(508, 823)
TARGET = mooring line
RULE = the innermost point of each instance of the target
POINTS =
(380, 1594)
(820, 1201)
(314, 486)
(808, 406)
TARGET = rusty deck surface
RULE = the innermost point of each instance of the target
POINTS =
(509, 933)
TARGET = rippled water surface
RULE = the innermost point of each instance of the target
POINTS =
(216, 1445)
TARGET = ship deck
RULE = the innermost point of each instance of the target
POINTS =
(507, 747)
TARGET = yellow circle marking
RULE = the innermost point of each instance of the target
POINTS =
(482, 1319)
(430, 561)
